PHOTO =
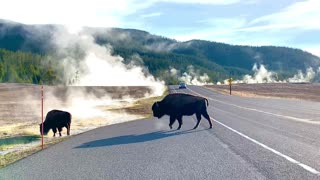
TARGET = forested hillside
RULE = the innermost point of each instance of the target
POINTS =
(24, 67)
(25, 48)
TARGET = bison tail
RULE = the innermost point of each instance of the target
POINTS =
(207, 101)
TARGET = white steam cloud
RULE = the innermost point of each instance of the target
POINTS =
(192, 76)
(300, 77)
(85, 67)
(97, 66)
(262, 75)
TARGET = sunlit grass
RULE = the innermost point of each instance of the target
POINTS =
(142, 106)
(17, 155)
(24, 133)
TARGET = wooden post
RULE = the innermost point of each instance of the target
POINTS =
(230, 83)
(42, 116)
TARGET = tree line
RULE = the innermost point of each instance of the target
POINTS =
(26, 67)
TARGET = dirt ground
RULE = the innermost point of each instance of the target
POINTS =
(304, 91)
(20, 105)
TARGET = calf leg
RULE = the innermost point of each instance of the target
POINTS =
(206, 115)
(172, 120)
(198, 120)
(180, 121)
(54, 131)
(60, 129)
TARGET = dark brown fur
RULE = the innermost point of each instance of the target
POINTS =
(177, 105)
(56, 119)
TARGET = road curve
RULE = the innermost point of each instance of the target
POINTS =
(252, 138)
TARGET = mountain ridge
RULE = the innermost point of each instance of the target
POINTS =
(160, 54)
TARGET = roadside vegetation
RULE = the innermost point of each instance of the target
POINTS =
(141, 107)
(17, 155)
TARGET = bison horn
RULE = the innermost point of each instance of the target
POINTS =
(157, 104)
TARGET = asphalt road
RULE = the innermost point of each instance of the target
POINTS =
(252, 138)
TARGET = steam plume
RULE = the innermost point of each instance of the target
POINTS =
(191, 77)
(89, 64)
(262, 75)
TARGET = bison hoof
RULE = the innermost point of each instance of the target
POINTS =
(178, 128)
(210, 127)
(170, 127)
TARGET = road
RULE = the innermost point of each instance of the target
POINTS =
(252, 138)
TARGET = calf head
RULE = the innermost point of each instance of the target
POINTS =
(157, 111)
(45, 129)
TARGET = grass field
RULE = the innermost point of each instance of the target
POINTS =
(302, 91)
(91, 107)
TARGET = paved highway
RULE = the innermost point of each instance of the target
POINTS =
(252, 138)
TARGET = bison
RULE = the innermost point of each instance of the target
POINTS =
(56, 119)
(178, 105)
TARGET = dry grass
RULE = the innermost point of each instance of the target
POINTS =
(17, 155)
(304, 91)
(19, 120)
(142, 106)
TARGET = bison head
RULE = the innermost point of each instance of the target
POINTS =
(45, 129)
(157, 111)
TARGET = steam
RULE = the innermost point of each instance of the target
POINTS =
(88, 109)
(307, 77)
(162, 46)
(85, 67)
(262, 75)
(89, 64)
(192, 76)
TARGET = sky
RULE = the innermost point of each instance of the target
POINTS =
(289, 23)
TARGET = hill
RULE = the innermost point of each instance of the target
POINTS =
(160, 54)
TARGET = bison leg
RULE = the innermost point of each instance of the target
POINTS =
(180, 122)
(172, 120)
(68, 129)
(198, 120)
(206, 115)
(60, 129)
(54, 131)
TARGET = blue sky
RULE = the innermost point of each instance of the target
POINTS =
(291, 23)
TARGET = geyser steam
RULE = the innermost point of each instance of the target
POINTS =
(262, 75)
(90, 64)
(191, 76)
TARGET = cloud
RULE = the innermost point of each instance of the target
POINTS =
(222, 29)
(213, 2)
(273, 27)
(303, 15)
(97, 13)
(151, 15)
(314, 50)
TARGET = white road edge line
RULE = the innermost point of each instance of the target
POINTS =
(304, 166)
(257, 110)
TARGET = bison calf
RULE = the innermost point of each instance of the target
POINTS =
(178, 104)
(56, 119)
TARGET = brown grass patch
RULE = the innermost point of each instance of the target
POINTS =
(303, 91)
(17, 155)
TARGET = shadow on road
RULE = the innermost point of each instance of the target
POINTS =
(130, 139)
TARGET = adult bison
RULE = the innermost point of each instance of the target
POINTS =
(178, 104)
(56, 119)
